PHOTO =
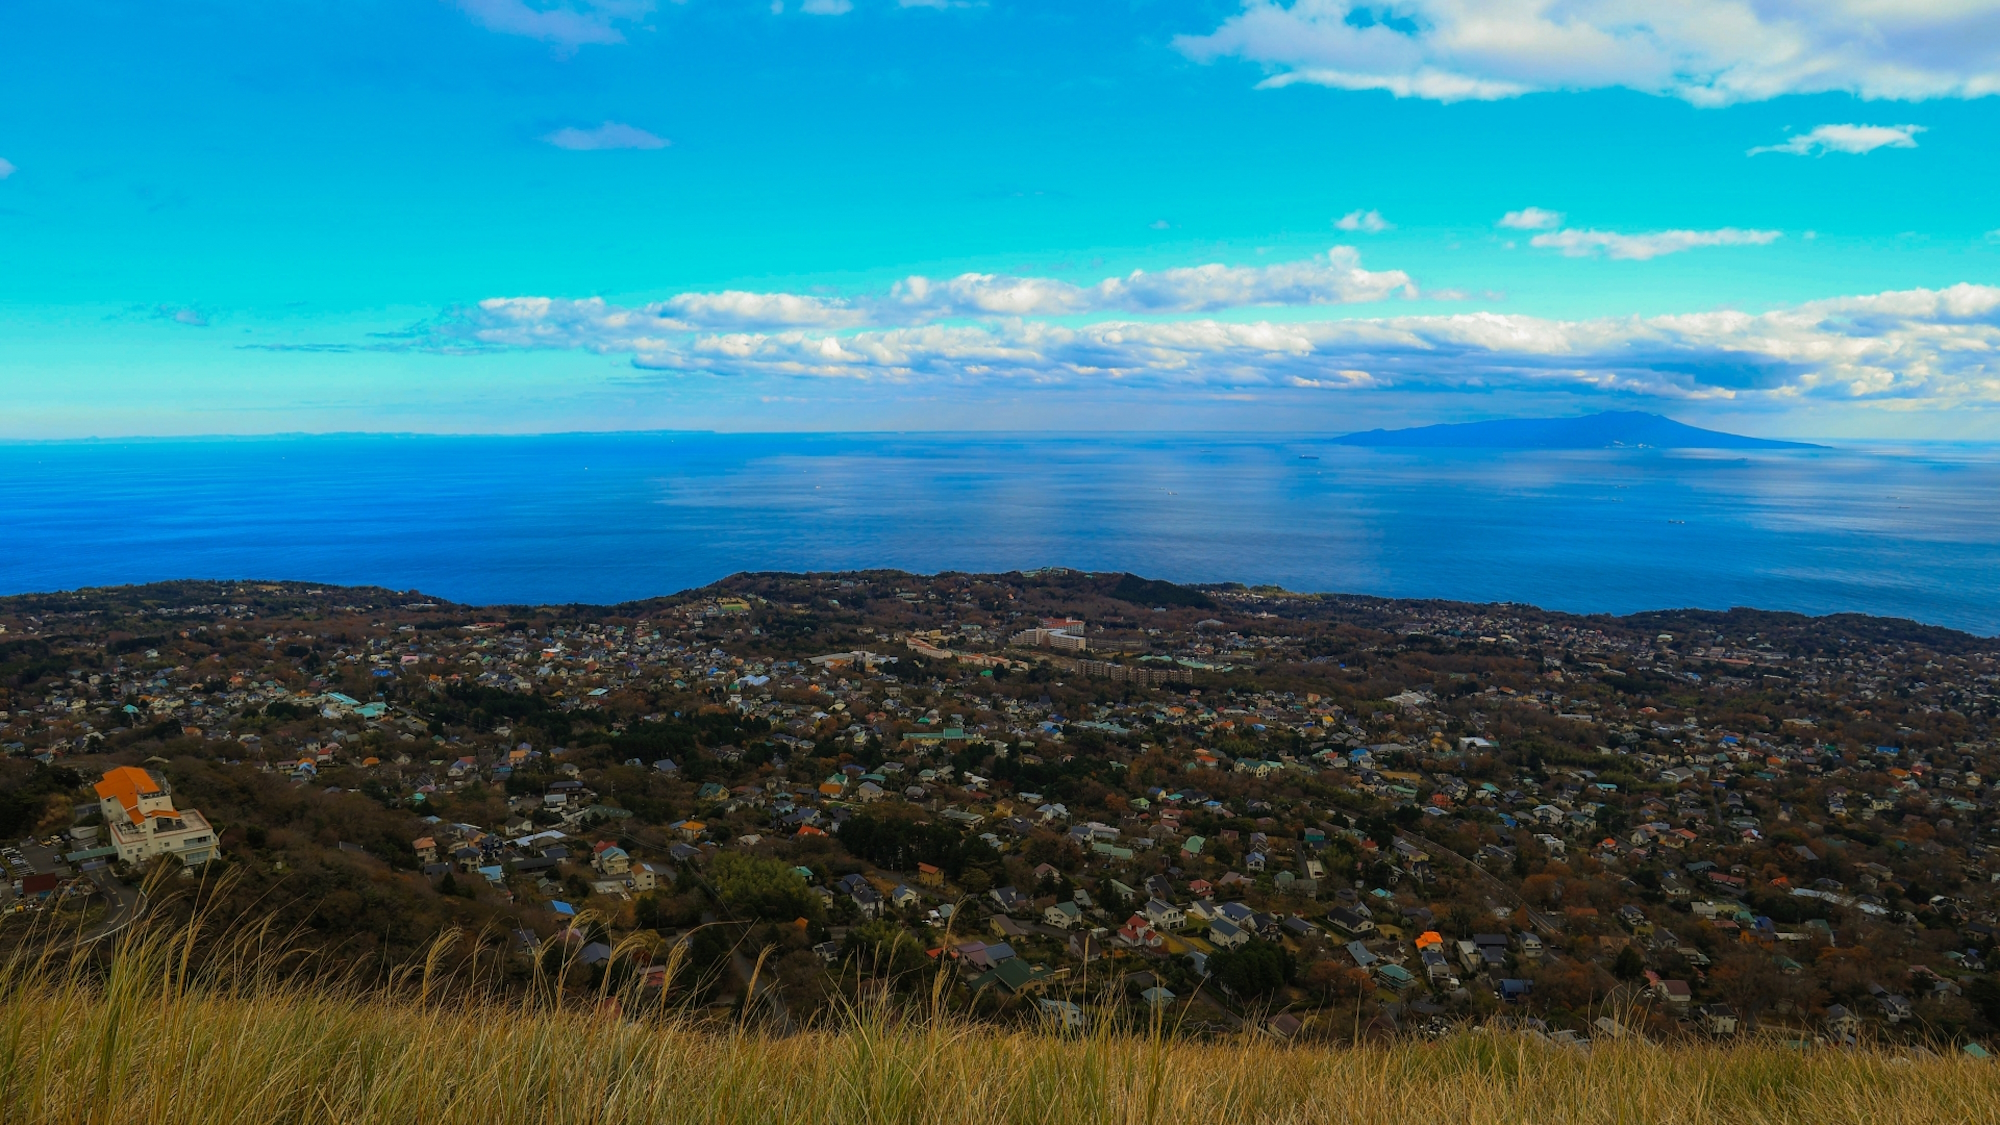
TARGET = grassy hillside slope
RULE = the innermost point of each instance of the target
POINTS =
(165, 1031)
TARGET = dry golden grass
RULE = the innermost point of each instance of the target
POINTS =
(174, 1028)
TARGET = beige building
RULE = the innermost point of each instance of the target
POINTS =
(140, 816)
(1064, 634)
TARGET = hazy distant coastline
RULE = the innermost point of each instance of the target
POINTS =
(1613, 429)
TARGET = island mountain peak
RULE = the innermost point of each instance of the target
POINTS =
(1610, 429)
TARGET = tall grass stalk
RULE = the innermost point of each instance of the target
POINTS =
(233, 1025)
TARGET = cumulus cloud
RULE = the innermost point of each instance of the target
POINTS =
(1345, 379)
(1935, 346)
(1856, 139)
(827, 7)
(565, 25)
(1336, 278)
(1632, 247)
(1709, 52)
(1643, 247)
(1371, 222)
(609, 135)
(6, 168)
(1531, 218)
(740, 309)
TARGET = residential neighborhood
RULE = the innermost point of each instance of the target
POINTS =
(1062, 794)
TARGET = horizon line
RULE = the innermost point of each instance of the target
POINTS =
(960, 431)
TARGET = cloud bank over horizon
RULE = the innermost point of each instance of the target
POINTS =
(1909, 349)
(1336, 278)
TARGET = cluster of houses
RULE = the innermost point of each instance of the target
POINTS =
(1220, 769)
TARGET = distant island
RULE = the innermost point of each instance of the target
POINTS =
(1608, 430)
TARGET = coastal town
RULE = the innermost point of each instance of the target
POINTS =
(1053, 797)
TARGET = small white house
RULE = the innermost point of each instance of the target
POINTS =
(1164, 915)
(1063, 915)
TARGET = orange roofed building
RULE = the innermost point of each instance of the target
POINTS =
(143, 822)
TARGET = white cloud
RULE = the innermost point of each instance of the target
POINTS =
(1856, 139)
(1426, 83)
(740, 309)
(827, 7)
(1371, 222)
(1337, 278)
(609, 135)
(565, 25)
(1631, 247)
(1709, 52)
(6, 168)
(1346, 379)
(1914, 347)
(1531, 218)
(1643, 247)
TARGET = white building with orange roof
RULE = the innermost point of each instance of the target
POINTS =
(140, 813)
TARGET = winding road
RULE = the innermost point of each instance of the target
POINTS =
(127, 904)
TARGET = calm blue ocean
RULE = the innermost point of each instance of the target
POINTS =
(1911, 532)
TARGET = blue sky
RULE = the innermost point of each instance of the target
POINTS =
(508, 215)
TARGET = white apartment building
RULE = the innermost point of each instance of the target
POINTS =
(140, 816)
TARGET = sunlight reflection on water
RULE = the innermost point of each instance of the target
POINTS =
(1906, 532)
